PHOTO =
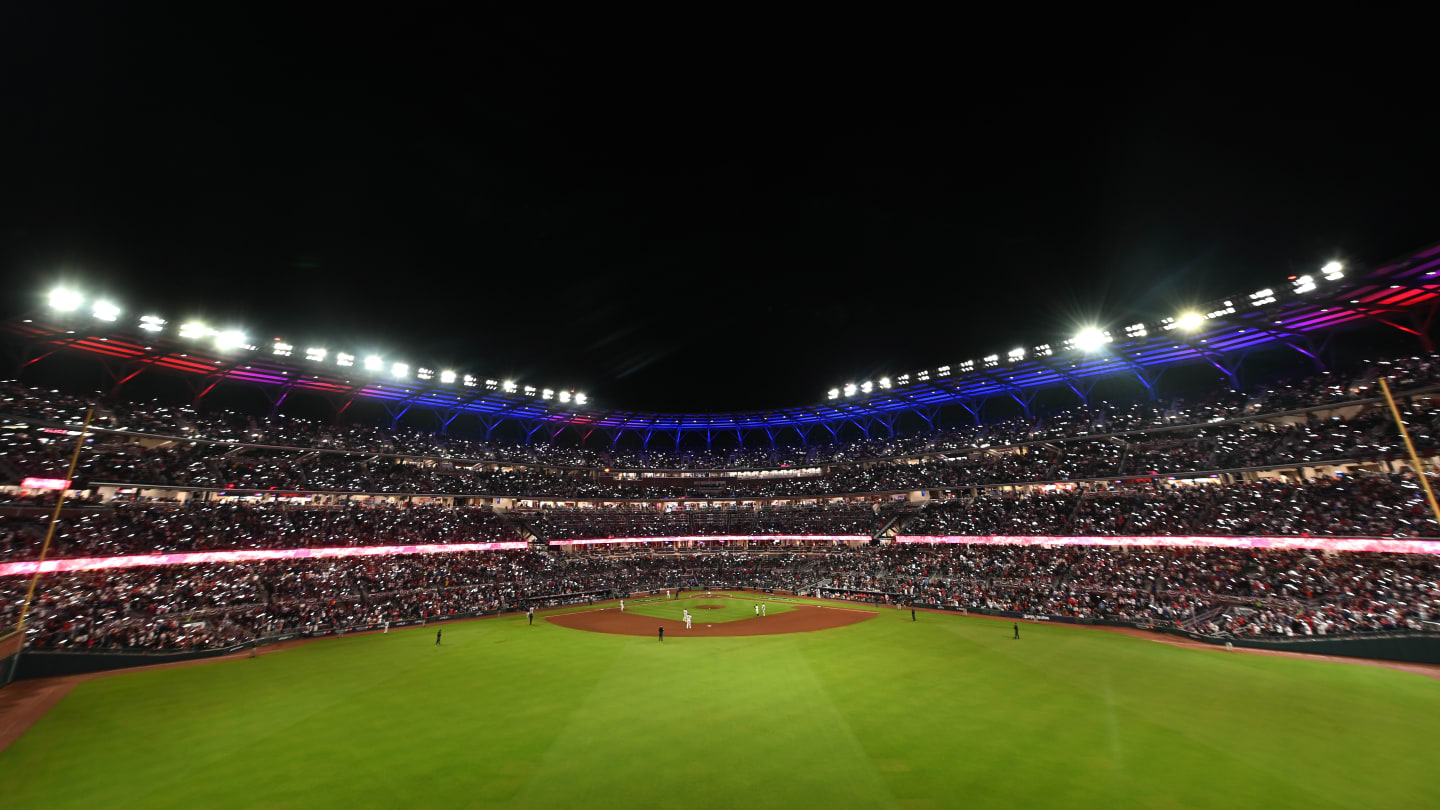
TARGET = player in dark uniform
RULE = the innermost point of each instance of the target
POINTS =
(437, 638)
(912, 614)
(662, 635)
(531, 614)
(1017, 630)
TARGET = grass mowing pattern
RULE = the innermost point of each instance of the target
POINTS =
(944, 712)
(731, 608)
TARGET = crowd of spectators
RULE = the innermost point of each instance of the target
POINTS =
(1218, 592)
(1362, 505)
(1366, 435)
(1099, 418)
(210, 526)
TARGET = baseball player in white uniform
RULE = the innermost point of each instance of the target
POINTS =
(762, 610)
(687, 620)
(757, 610)
(622, 605)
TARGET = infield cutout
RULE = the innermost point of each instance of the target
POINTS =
(800, 619)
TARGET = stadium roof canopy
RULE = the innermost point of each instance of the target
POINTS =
(1402, 294)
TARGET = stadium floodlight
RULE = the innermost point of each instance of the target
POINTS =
(194, 329)
(105, 311)
(447, 376)
(1091, 339)
(1136, 330)
(63, 300)
(1260, 298)
(1303, 284)
(867, 386)
(1333, 271)
(1043, 350)
(564, 396)
(508, 387)
(1016, 354)
(281, 349)
(470, 381)
(850, 389)
(425, 373)
(229, 339)
(943, 371)
(581, 399)
(343, 359)
(491, 385)
(316, 355)
(967, 366)
(548, 393)
(884, 382)
(833, 393)
(991, 360)
(903, 379)
(529, 390)
(374, 363)
(1190, 321)
(152, 323)
(400, 370)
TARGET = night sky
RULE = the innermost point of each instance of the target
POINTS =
(690, 214)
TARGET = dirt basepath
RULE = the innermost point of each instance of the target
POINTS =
(800, 619)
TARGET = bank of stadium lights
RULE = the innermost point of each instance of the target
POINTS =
(1089, 340)
(884, 382)
(866, 387)
(231, 339)
(104, 311)
(67, 300)
(1094, 339)
(63, 300)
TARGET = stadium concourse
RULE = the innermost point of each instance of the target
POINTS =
(190, 530)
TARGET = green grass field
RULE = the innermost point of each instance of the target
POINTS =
(724, 608)
(945, 712)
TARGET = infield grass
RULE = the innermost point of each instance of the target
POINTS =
(948, 711)
(721, 607)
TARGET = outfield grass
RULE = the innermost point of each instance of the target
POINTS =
(944, 712)
(727, 607)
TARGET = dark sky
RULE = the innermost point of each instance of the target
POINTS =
(691, 214)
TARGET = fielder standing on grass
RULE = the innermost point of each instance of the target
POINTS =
(531, 614)
(662, 634)
(437, 638)
(1017, 631)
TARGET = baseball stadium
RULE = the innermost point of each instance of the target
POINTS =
(1192, 562)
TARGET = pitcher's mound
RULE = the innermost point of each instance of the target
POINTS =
(803, 619)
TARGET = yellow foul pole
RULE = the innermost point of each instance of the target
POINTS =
(1410, 447)
(50, 531)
